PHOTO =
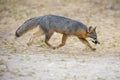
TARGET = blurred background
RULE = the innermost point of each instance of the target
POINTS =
(70, 8)
(104, 14)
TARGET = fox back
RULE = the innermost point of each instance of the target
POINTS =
(62, 25)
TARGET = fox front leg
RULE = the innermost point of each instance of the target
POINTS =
(64, 38)
(84, 41)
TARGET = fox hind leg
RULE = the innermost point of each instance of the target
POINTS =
(47, 38)
(36, 34)
(84, 41)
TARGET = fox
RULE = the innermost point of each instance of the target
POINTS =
(48, 24)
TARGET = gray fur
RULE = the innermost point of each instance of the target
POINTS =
(59, 24)
(49, 22)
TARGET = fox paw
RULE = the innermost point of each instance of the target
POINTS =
(54, 48)
(93, 49)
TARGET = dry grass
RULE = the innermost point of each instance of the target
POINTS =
(90, 12)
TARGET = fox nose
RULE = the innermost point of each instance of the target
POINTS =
(97, 42)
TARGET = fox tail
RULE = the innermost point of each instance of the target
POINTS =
(26, 26)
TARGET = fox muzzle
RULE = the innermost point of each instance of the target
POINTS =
(96, 42)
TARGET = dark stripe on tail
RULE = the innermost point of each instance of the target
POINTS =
(16, 34)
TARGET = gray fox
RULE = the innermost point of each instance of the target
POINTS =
(49, 24)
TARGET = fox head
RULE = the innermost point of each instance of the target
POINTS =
(92, 34)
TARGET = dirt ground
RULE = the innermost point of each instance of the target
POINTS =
(74, 61)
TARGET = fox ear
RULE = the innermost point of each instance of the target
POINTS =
(90, 29)
(94, 28)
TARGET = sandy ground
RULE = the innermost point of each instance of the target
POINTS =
(74, 61)
(63, 66)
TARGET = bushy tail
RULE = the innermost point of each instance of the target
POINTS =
(27, 25)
